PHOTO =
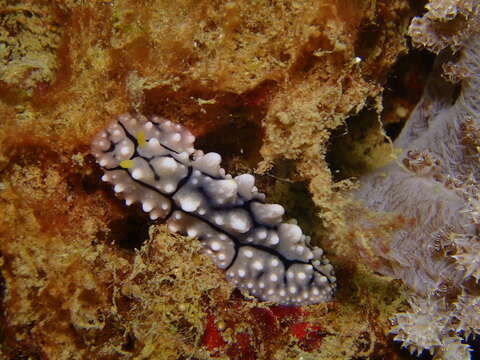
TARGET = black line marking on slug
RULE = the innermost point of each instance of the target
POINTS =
(135, 141)
(111, 147)
(237, 244)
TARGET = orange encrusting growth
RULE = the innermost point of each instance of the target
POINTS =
(272, 73)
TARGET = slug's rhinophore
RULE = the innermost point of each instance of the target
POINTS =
(153, 162)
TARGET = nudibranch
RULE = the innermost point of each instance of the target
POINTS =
(153, 162)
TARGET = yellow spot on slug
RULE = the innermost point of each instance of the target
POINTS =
(126, 164)
(141, 138)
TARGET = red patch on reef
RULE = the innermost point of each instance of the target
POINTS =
(299, 330)
(309, 336)
(242, 349)
(212, 338)
(266, 322)
(267, 326)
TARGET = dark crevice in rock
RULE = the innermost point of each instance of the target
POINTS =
(351, 151)
(404, 88)
(130, 232)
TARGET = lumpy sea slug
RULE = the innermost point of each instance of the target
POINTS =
(153, 162)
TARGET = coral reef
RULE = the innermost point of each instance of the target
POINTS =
(435, 183)
(83, 276)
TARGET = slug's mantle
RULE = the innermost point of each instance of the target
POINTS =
(153, 162)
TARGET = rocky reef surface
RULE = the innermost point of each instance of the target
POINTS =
(264, 83)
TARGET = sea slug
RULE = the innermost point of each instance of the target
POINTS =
(153, 162)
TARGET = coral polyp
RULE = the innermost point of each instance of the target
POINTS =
(153, 162)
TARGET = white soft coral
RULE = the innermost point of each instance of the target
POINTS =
(430, 327)
(435, 183)
(423, 328)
